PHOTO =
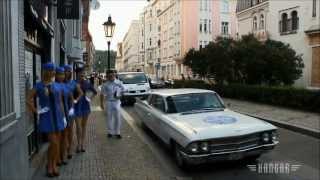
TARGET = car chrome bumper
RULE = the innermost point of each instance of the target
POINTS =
(228, 155)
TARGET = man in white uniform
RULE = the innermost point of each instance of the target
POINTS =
(111, 91)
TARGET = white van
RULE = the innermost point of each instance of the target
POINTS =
(136, 85)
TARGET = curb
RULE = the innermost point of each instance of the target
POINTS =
(296, 128)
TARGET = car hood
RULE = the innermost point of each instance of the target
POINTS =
(226, 123)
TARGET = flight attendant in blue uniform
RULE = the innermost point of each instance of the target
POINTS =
(72, 87)
(50, 111)
(66, 96)
(82, 108)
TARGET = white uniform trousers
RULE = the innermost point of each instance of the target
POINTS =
(113, 117)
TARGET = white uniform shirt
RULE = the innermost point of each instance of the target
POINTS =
(112, 88)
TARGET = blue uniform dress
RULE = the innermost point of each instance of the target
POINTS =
(65, 97)
(82, 107)
(71, 87)
(50, 120)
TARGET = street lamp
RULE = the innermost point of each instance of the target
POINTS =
(109, 29)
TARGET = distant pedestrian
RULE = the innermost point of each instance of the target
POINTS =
(92, 78)
(82, 108)
(111, 91)
(74, 88)
(50, 111)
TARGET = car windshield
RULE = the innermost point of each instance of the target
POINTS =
(133, 78)
(194, 102)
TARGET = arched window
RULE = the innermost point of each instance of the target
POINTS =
(261, 25)
(255, 25)
(295, 20)
(284, 22)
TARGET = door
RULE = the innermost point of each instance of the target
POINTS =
(29, 75)
(156, 116)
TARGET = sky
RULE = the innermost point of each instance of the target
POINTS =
(122, 13)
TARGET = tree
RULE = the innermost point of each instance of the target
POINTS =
(220, 60)
(197, 61)
(283, 65)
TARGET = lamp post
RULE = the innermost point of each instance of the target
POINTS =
(99, 62)
(109, 29)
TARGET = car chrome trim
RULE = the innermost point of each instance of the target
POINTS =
(228, 152)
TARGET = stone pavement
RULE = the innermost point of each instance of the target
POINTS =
(128, 158)
(301, 121)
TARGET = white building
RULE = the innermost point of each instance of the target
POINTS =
(294, 22)
(130, 47)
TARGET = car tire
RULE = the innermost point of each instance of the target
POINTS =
(178, 157)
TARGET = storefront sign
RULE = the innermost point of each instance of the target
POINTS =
(68, 9)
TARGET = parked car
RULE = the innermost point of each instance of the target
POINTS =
(157, 84)
(199, 128)
(136, 85)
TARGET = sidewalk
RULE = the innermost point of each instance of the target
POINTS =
(300, 121)
(128, 158)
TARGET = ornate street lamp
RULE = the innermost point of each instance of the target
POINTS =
(109, 27)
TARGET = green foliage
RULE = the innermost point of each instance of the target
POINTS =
(247, 61)
(102, 56)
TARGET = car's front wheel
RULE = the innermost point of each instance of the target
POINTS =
(179, 158)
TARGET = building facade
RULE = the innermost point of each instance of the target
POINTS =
(31, 34)
(294, 22)
(168, 29)
(131, 49)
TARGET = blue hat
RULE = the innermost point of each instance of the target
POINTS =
(59, 70)
(48, 67)
(67, 67)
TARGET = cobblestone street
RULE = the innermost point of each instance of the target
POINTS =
(128, 158)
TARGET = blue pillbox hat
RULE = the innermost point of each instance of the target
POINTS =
(59, 70)
(48, 66)
(67, 67)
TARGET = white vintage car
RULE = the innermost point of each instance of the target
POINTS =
(199, 128)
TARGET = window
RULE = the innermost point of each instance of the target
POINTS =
(261, 25)
(295, 20)
(150, 26)
(6, 74)
(314, 8)
(200, 28)
(205, 5)
(284, 22)
(75, 28)
(150, 42)
(142, 32)
(201, 5)
(200, 45)
(225, 6)
(255, 25)
(224, 28)
(209, 26)
(141, 45)
(205, 26)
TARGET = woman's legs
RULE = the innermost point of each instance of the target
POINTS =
(79, 133)
(84, 127)
(70, 138)
(63, 145)
(53, 152)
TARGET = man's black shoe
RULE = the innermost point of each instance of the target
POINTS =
(119, 136)
(109, 135)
